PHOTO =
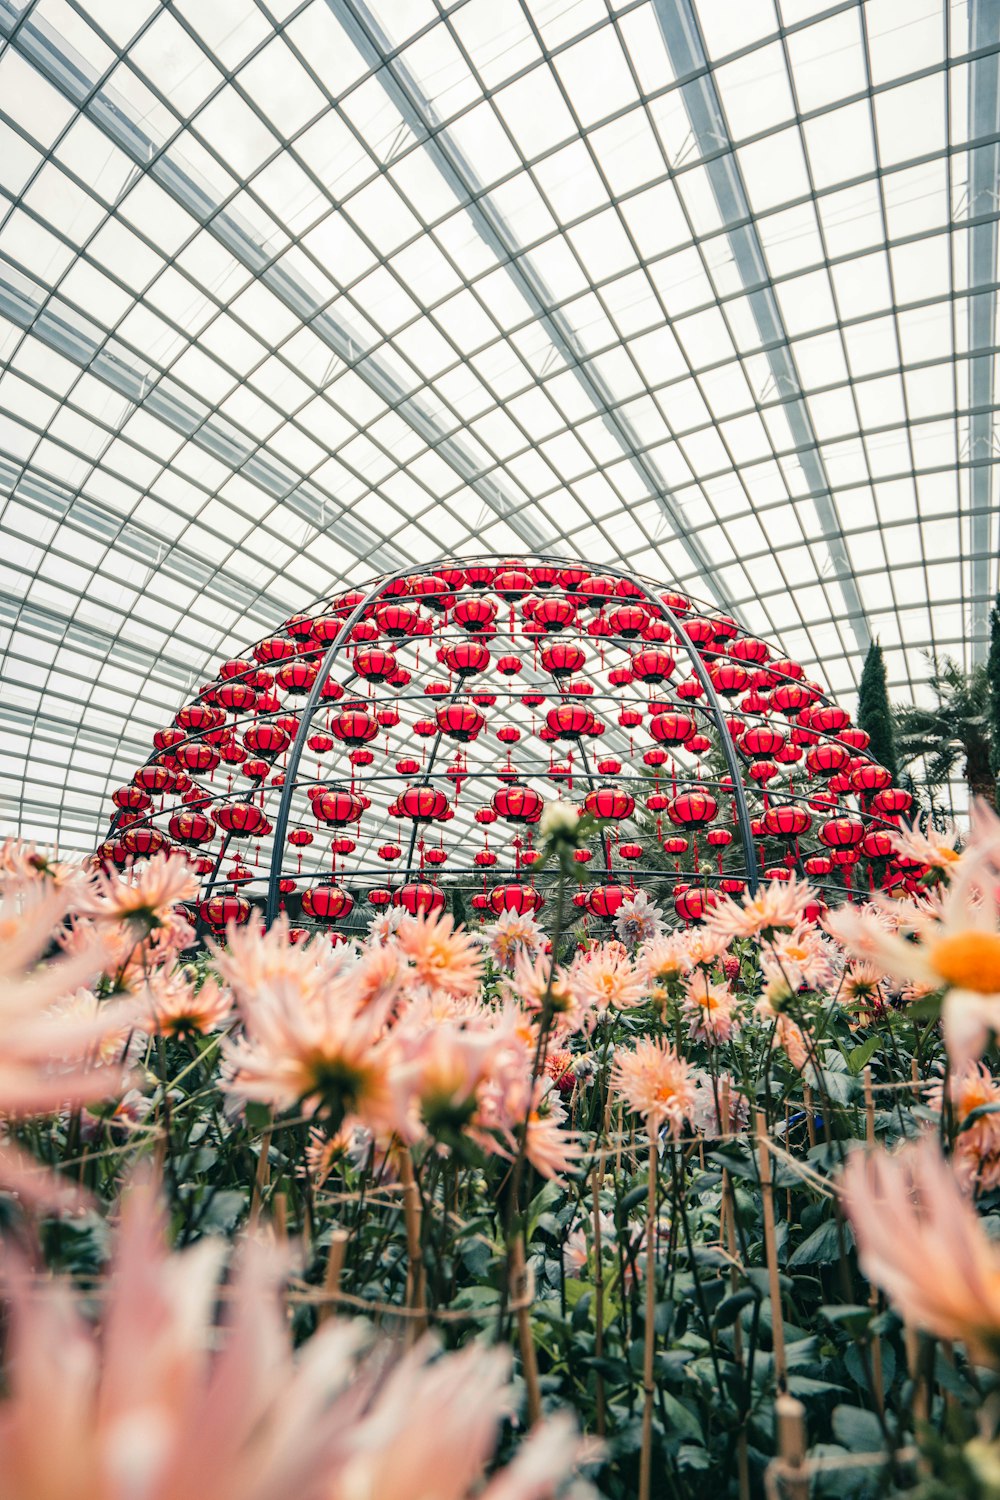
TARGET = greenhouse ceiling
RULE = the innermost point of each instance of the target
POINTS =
(292, 294)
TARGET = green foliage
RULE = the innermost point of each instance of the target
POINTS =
(993, 680)
(954, 734)
(874, 710)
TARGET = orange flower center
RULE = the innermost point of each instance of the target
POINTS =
(969, 961)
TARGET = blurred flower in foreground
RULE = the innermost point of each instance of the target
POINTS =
(920, 1240)
(951, 942)
(51, 1049)
(513, 933)
(162, 1404)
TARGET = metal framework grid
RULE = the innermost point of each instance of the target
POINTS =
(294, 292)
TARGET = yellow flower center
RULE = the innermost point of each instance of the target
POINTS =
(969, 961)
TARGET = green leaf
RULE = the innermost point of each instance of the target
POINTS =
(731, 1307)
(258, 1115)
(859, 1058)
(223, 1211)
(822, 1246)
(977, 1114)
(858, 1430)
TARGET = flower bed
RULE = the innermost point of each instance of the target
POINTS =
(646, 1168)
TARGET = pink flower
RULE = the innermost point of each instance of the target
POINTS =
(957, 947)
(709, 1010)
(442, 956)
(606, 979)
(143, 896)
(512, 933)
(162, 1403)
(174, 1007)
(656, 1083)
(777, 905)
(550, 1149)
(920, 1240)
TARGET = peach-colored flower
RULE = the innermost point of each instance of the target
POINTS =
(443, 957)
(801, 957)
(47, 1052)
(173, 1006)
(536, 984)
(438, 1078)
(142, 896)
(788, 1034)
(927, 844)
(549, 1148)
(661, 961)
(779, 904)
(950, 942)
(606, 979)
(862, 993)
(709, 1010)
(703, 946)
(920, 1240)
(976, 1152)
(512, 933)
(315, 1031)
(656, 1083)
(162, 1403)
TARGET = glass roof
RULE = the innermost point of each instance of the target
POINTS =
(295, 292)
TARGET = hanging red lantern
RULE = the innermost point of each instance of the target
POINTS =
(190, 827)
(297, 677)
(327, 903)
(563, 658)
(786, 821)
(424, 804)
(486, 815)
(266, 740)
(241, 818)
(672, 728)
(630, 851)
(892, 801)
(354, 727)
(218, 911)
(460, 721)
(153, 778)
(508, 666)
(299, 838)
(570, 721)
(518, 804)
(143, 841)
(692, 809)
(389, 852)
(627, 621)
(418, 898)
(728, 677)
(609, 802)
(842, 833)
(379, 896)
(375, 664)
(516, 898)
(466, 658)
(555, 613)
(132, 798)
(337, 806)
(762, 741)
(877, 844)
(870, 777)
(606, 900)
(652, 665)
(827, 759)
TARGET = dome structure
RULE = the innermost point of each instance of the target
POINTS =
(398, 742)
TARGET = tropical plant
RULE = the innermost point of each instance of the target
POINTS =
(954, 733)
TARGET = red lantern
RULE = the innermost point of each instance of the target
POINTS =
(297, 677)
(570, 721)
(892, 801)
(516, 898)
(467, 658)
(337, 806)
(424, 804)
(652, 665)
(144, 841)
(827, 759)
(375, 664)
(354, 727)
(672, 728)
(555, 614)
(562, 658)
(518, 804)
(132, 798)
(627, 621)
(190, 828)
(877, 843)
(870, 777)
(609, 802)
(786, 821)
(460, 721)
(692, 809)
(218, 911)
(327, 903)
(842, 833)
(245, 819)
(419, 897)
(606, 900)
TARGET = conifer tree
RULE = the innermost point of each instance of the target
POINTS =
(874, 712)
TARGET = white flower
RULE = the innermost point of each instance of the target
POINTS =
(558, 820)
(638, 921)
